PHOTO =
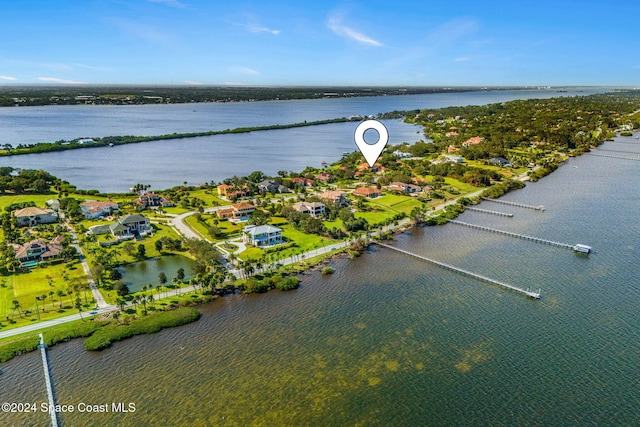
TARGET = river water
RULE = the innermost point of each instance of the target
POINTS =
(389, 340)
(164, 164)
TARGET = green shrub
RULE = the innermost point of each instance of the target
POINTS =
(327, 270)
(152, 323)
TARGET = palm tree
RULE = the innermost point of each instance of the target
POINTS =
(79, 307)
(51, 294)
(16, 306)
(60, 294)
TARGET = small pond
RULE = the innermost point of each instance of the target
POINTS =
(146, 272)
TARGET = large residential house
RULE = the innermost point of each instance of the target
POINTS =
(302, 182)
(370, 192)
(237, 212)
(125, 228)
(404, 188)
(335, 196)
(39, 250)
(93, 209)
(315, 209)
(151, 200)
(324, 176)
(232, 192)
(262, 236)
(272, 187)
(473, 141)
(28, 217)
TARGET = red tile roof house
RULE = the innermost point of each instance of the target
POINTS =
(148, 200)
(226, 190)
(370, 192)
(302, 182)
(324, 176)
(95, 209)
(238, 212)
(472, 141)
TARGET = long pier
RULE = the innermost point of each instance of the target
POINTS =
(614, 157)
(520, 205)
(527, 292)
(486, 211)
(47, 378)
(508, 233)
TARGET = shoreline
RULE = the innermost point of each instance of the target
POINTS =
(111, 141)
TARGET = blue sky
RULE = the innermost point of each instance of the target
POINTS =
(418, 43)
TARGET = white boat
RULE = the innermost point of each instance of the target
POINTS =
(582, 248)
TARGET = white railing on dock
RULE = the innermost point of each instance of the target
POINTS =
(474, 209)
(526, 292)
(520, 205)
(47, 379)
(508, 233)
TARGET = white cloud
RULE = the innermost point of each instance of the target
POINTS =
(256, 28)
(245, 70)
(334, 23)
(192, 82)
(170, 3)
(7, 78)
(62, 81)
(462, 59)
(94, 68)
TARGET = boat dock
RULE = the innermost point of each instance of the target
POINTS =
(47, 378)
(520, 205)
(527, 292)
(508, 233)
(614, 157)
(474, 209)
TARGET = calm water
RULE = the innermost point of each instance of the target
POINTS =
(164, 164)
(388, 340)
(143, 273)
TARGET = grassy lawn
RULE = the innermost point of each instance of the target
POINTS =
(209, 197)
(228, 229)
(395, 203)
(24, 287)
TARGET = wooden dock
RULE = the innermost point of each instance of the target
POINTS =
(520, 205)
(474, 209)
(614, 157)
(47, 379)
(508, 233)
(527, 292)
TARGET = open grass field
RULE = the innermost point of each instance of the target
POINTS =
(24, 287)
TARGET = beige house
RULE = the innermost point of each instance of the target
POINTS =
(39, 250)
(335, 196)
(315, 209)
(236, 212)
(28, 217)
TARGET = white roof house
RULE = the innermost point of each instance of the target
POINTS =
(262, 235)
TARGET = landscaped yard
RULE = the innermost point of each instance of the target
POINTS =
(38, 281)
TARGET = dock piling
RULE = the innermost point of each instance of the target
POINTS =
(47, 378)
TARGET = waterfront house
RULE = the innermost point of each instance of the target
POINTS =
(335, 196)
(237, 212)
(370, 192)
(302, 182)
(125, 228)
(262, 236)
(315, 209)
(401, 154)
(39, 250)
(93, 209)
(151, 200)
(31, 216)
(324, 176)
(272, 187)
(232, 191)
(404, 188)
